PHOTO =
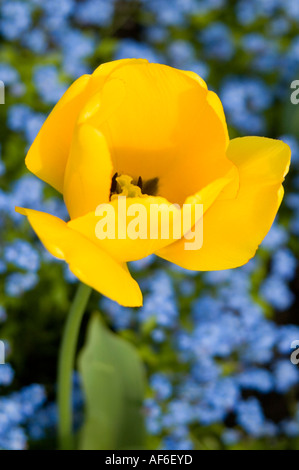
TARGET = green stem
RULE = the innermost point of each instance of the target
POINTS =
(66, 363)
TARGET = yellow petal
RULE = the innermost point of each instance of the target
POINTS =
(47, 156)
(88, 172)
(103, 72)
(122, 245)
(213, 99)
(195, 77)
(233, 229)
(87, 261)
(216, 104)
(160, 122)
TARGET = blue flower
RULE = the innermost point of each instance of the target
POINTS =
(294, 145)
(246, 12)
(276, 238)
(15, 411)
(260, 380)
(161, 385)
(8, 74)
(277, 293)
(47, 84)
(76, 47)
(36, 41)
(17, 283)
(153, 416)
(56, 13)
(231, 436)
(217, 42)
(179, 413)
(15, 18)
(130, 49)
(287, 334)
(26, 192)
(255, 43)
(33, 125)
(250, 417)
(206, 370)
(160, 303)
(121, 317)
(223, 394)
(13, 439)
(172, 443)
(261, 339)
(6, 374)
(167, 14)
(158, 335)
(290, 428)
(180, 53)
(95, 12)
(244, 99)
(17, 117)
(22, 255)
(286, 375)
(284, 264)
(291, 9)
(143, 263)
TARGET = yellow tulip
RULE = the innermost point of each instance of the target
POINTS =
(161, 126)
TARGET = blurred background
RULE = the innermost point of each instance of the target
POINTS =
(216, 346)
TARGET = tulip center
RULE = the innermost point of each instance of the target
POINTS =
(124, 185)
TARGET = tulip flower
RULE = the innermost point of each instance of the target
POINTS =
(147, 135)
(153, 134)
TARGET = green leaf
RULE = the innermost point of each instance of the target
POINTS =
(114, 387)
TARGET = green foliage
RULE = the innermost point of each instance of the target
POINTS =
(113, 382)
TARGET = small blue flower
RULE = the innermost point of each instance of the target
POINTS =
(284, 264)
(286, 375)
(6, 374)
(16, 283)
(36, 41)
(23, 255)
(179, 413)
(8, 74)
(15, 18)
(130, 49)
(95, 12)
(17, 117)
(250, 417)
(276, 238)
(47, 84)
(143, 263)
(231, 437)
(153, 416)
(277, 293)
(294, 145)
(217, 42)
(161, 385)
(290, 428)
(121, 317)
(287, 334)
(260, 380)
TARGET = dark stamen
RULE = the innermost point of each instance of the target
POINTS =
(113, 184)
(150, 187)
(140, 182)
